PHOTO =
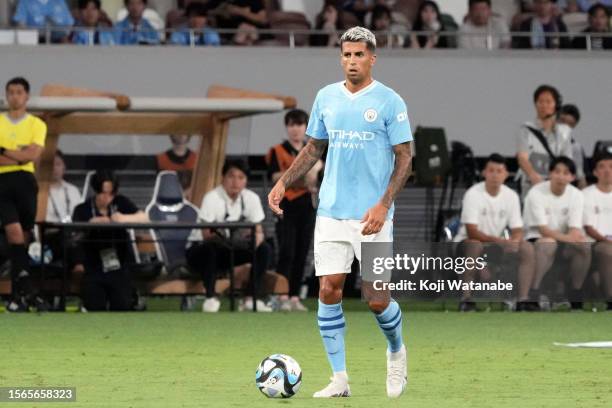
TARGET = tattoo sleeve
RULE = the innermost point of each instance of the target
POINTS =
(305, 160)
(401, 172)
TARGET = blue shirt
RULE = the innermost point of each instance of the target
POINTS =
(97, 36)
(183, 37)
(129, 34)
(37, 13)
(362, 129)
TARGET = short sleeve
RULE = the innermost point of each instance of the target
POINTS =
(515, 221)
(588, 210)
(522, 140)
(469, 210)
(82, 213)
(535, 211)
(61, 14)
(253, 211)
(39, 132)
(576, 211)
(316, 127)
(21, 14)
(207, 210)
(397, 122)
(125, 205)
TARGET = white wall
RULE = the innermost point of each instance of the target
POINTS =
(480, 98)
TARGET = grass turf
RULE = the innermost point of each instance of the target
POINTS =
(172, 359)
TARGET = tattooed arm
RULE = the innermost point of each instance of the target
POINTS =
(376, 216)
(306, 159)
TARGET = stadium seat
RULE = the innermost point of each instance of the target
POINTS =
(169, 205)
(283, 20)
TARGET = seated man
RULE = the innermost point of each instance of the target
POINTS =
(599, 26)
(543, 29)
(598, 220)
(490, 207)
(483, 30)
(230, 202)
(553, 217)
(40, 13)
(93, 30)
(197, 20)
(570, 116)
(106, 284)
(135, 29)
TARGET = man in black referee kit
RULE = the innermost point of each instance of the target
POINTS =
(22, 139)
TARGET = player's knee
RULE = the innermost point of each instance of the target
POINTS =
(547, 246)
(378, 306)
(329, 294)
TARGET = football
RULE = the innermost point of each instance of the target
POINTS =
(278, 376)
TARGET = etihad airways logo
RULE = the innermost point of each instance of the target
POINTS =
(349, 139)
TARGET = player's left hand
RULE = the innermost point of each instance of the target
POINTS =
(374, 219)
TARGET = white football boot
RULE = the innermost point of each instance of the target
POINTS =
(338, 387)
(397, 372)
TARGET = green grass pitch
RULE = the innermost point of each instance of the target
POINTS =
(173, 359)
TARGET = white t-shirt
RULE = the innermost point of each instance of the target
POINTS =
(61, 202)
(559, 213)
(598, 210)
(492, 214)
(217, 206)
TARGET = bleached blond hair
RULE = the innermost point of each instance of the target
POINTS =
(359, 34)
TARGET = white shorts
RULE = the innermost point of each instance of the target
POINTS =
(338, 242)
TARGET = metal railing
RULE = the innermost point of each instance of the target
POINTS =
(291, 38)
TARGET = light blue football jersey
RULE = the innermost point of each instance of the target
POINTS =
(362, 129)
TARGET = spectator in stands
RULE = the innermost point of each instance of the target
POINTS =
(197, 20)
(329, 20)
(381, 25)
(63, 196)
(553, 216)
(429, 21)
(598, 220)
(482, 29)
(42, 13)
(179, 158)
(295, 229)
(570, 116)
(97, 31)
(105, 253)
(541, 141)
(542, 28)
(490, 207)
(599, 23)
(586, 5)
(245, 15)
(135, 29)
(22, 140)
(362, 7)
(230, 202)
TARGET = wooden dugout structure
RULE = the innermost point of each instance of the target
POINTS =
(69, 110)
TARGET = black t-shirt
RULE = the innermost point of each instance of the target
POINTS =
(94, 241)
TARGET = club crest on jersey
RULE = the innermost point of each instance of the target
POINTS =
(370, 115)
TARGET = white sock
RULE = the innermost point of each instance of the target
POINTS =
(341, 376)
(397, 355)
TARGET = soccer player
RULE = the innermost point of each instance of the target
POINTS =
(365, 127)
(22, 139)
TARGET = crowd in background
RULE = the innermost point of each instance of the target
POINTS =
(536, 24)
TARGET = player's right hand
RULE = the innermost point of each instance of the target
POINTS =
(276, 196)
